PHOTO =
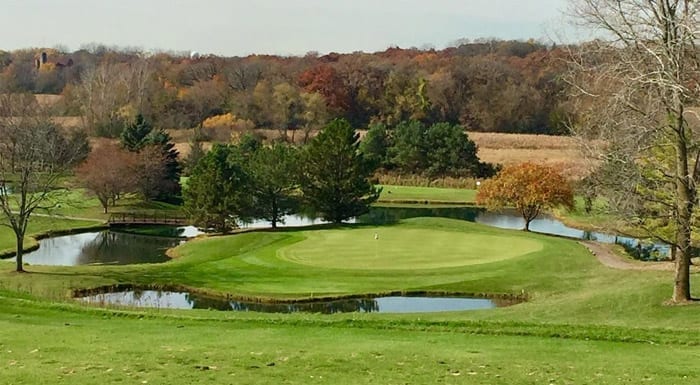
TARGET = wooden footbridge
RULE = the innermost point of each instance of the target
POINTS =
(127, 219)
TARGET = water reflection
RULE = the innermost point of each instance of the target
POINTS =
(506, 219)
(104, 247)
(391, 304)
(126, 248)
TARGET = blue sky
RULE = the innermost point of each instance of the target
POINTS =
(291, 27)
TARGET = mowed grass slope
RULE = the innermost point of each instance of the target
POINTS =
(400, 248)
(40, 342)
(415, 194)
(583, 324)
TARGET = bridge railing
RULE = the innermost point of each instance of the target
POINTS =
(147, 219)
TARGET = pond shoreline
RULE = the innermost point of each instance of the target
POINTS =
(35, 238)
(121, 287)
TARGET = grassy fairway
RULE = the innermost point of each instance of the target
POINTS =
(584, 323)
(401, 248)
(78, 346)
(410, 194)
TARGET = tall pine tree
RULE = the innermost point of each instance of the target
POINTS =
(335, 175)
(218, 192)
(135, 135)
(170, 189)
(273, 171)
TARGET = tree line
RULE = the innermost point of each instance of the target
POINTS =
(233, 183)
(484, 85)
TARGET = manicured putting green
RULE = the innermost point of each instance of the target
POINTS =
(403, 249)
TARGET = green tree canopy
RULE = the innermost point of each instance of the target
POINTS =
(218, 191)
(170, 188)
(273, 170)
(375, 145)
(441, 149)
(135, 135)
(335, 175)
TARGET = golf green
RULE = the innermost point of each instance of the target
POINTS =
(397, 248)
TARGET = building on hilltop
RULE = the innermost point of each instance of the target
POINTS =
(42, 61)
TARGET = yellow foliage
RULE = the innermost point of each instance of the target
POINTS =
(225, 127)
(127, 112)
(47, 67)
(225, 120)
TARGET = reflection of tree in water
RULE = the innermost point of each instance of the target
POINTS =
(201, 302)
(388, 215)
(365, 305)
(343, 306)
(124, 248)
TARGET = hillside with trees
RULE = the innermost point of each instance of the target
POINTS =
(484, 85)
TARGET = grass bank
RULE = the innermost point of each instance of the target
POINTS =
(426, 195)
(84, 346)
(584, 323)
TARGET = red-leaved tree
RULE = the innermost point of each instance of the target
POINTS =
(108, 172)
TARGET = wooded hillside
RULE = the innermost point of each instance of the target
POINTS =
(485, 85)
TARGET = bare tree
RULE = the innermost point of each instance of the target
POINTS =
(34, 155)
(103, 90)
(634, 87)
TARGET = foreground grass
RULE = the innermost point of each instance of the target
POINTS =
(584, 323)
(412, 194)
(70, 345)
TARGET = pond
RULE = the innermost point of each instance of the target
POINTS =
(385, 304)
(105, 247)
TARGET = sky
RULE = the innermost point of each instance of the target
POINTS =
(282, 27)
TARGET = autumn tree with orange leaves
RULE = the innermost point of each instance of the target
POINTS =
(529, 187)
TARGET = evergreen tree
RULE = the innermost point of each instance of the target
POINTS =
(375, 145)
(439, 150)
(196, 153)
(135, 135)
(273, 170)
(335, 175)
(218, 192)
(170, 189)
(450, 151)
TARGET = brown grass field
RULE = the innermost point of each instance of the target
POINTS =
(561, 152)
(557, 151)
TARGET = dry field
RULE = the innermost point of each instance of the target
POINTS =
(557, 151)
